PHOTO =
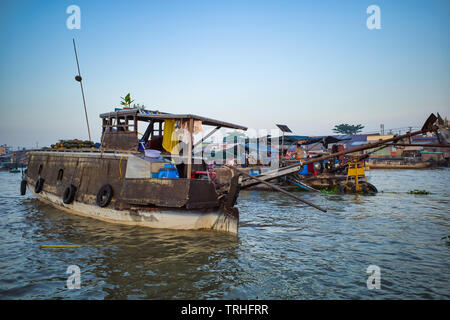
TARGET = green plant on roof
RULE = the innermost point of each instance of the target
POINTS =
(126, 101)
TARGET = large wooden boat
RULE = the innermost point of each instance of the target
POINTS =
(398, 164)
(124, 182)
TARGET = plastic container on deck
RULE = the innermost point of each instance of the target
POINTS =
(150, 153)
(304, 171)
(141, 145)
(169, 172)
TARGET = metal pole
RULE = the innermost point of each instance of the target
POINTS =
(79, 79)
(433, 145)
(189, 155)
(275, 187)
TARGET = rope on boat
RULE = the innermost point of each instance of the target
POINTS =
(120, 168)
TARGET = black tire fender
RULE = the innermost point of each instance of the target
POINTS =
(23, 187)
(371, 188)
(69, 194)
(104, 195)
(364, 189)
(39, 185)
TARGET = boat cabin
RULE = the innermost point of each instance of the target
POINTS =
(166, 136)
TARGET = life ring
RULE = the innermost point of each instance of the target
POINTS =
(104, 195)
(23, 187)
(69, 194)
(39, 185)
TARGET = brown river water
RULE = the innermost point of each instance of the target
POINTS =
(284, 250)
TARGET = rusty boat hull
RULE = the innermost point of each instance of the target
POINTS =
(137, 199)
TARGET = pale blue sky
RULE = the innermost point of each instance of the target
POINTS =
(307, 64)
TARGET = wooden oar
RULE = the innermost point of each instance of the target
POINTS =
(274, 187)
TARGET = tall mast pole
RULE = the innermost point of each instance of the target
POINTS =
(79, 79)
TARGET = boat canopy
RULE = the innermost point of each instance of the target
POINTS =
(306, 140)
(120, 133)
(146, 115)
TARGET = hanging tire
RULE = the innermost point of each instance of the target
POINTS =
(23, 187)
(39, 185)
(351, 187)
(371, 188)
(104, 195)
(365, 188)
(69, 194)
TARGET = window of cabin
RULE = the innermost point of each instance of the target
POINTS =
(155, 135)
(119, 124)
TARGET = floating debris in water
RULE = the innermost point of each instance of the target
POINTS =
(418, 192)
(330, 190)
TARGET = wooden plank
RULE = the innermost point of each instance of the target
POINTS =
(275, 187)
(273, 174)
(434, 145)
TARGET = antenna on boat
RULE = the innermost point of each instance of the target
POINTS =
(78, 78)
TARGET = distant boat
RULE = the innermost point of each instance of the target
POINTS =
(392, 164)
(15, 170)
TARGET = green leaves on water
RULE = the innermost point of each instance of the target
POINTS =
(330, 190)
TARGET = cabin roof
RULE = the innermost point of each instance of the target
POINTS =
(145, 115)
